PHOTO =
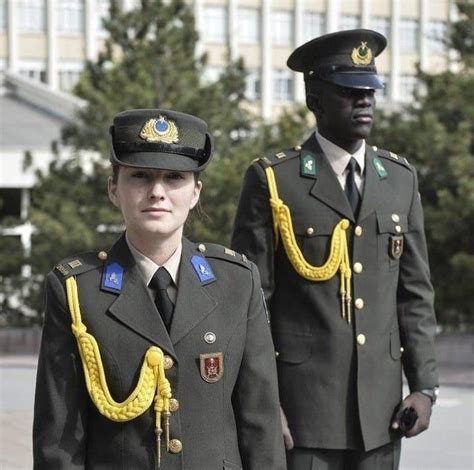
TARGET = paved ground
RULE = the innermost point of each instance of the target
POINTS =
(447, 445)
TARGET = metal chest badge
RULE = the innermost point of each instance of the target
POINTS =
(160, 129)
(211, 366)
(308, 166)
(362, 55)
(112, 278)
(396, 246)
(203, 269)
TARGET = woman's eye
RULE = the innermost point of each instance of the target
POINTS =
(139, 174)
(175, 176)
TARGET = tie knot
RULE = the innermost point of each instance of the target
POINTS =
(161, 280)
(353, 165)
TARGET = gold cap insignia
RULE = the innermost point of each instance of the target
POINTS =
(160, 130)
(362, 55)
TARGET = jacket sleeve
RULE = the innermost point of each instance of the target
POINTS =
(253, 227)
(255, 397)
(415, 298)
(60, 411)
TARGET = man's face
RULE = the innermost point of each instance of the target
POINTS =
(344, 115)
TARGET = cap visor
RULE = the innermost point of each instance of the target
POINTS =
(158, 161)
(357, 80)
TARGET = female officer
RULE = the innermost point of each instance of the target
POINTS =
(157, 353)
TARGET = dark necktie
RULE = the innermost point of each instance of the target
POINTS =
(351, 190)
(160, 282)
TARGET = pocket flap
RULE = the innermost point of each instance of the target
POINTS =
(395, 345)
(386, 224)
(312, 227)
(293, 348)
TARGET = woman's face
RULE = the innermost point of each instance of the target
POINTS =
(154, 203)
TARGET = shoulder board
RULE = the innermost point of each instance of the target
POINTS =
(212, 250)
(78, 264)
(273, 159)
(392, 157)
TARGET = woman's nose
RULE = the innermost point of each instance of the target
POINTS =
(157, 190)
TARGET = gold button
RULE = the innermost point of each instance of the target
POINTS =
(358, 231)
(396, 218)
(169, 363)
(361, 339)
(309, 231)
(102, 255)
(375, 148)
(277, 353)
(202, 247)
(154, 358)
(359, 303)
(174, 405)
(358, 268)
(298, 148)
(398, 229)
(402, 349)
(176, 446)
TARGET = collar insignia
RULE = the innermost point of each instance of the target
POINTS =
(203, 269)
(160, 129)
(308, 166)
(362, 55)
(379, 168)
(112, 278)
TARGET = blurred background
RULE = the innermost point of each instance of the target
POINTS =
(68, 66)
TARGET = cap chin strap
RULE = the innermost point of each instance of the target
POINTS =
(152, 382)
(338, 259)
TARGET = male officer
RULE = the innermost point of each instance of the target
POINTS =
(336, 229)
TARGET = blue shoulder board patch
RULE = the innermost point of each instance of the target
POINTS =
(308, 166)
(112, 277)
(379, 168)
(203, 269)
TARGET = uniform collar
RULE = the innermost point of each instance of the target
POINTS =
(338, 157)
(148, 267)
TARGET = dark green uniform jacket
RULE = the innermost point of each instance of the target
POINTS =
(233, 423)
(340, 383)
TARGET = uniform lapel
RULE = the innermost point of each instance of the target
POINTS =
(374, 187)
(193, 303)
(327, 188)
(134, 307)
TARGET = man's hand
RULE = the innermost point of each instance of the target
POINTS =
(422, 405)
(289, 444)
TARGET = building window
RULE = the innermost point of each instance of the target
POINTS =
(408, 84)
(349, 22)
(381, 24)
(409, 33)
(384, 92)
(10, 203)
(35, 70)
(253, 85)
(212, 74)
(214, 24)
(3, 15)
(31, 16)
(249, 25)
(437, 36)
(283, 85)
(313, 25)
(71, 16)
(69, 74)
(282, 28)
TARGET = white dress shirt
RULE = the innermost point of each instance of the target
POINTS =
(339, 159)
(148, 268)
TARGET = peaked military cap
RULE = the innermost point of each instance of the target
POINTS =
(161, 139)
(345, 58)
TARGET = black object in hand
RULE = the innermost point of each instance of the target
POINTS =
(408, 419)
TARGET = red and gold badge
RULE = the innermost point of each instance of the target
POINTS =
(212, 366)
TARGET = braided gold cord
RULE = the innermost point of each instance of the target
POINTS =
(338, 259)
(151, 383)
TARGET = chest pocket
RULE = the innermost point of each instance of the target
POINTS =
(293, 348)
(391, 230)
(314, 236)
